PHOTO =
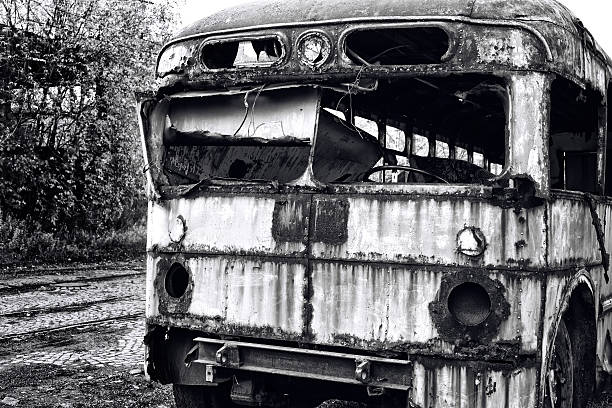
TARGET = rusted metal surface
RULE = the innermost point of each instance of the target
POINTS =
(538, 34)
(232, 296)
(467, 282)
(527, 148)
(281, 229)
(295, 362)
(423, 230)
(447, 385)
(280, 12)
(571, 230)
(371, 227)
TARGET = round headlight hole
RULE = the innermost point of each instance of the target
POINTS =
(177, 279)
(469, 303)
(314, 49)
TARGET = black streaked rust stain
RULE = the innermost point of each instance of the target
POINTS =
(451, 330)
(520, 244)
(330, 220)
(290, 219)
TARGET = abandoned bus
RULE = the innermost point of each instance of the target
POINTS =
(396, 203)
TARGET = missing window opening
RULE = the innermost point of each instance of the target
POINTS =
(241, 53)
(573, 137)
(398, 46)
(439, 121)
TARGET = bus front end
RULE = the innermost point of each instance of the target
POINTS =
(354, 210)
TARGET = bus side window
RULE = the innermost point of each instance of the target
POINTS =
(421, 145)
(461, 153)
(442, 149)
(479, 159)
(573, 137)
(396, 140)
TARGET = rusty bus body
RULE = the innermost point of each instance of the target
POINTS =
(470, 270)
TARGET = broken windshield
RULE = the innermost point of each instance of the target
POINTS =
(254, 135)
(415, 130)
(419, 130)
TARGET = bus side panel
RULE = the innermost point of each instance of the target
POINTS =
(572, 236)
(444, 385)
(604, 296)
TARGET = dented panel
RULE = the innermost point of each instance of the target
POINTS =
(464, 284)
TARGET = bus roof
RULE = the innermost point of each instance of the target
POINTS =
(298, 11)
(547, 17)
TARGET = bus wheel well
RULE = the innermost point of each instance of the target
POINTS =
(579, 318)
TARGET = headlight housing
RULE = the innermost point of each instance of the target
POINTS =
(177, 58)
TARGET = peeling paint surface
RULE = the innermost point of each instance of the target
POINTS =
(424, 230)
(512, 49)
(331, 263)
(223, 224)
(571, 229)
(448, 386)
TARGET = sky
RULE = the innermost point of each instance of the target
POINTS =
(595, 14)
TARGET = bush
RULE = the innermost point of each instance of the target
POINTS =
(18, 244)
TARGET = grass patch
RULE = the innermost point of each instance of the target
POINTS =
(18, 246)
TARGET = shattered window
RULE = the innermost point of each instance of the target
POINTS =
(459, 110)
(461, 154)
(421, 146)
(344, 152)
(396, 139)
(259, 135)
(442, 149)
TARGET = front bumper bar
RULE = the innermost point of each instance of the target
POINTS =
(345, 368)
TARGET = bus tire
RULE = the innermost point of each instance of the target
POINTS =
(200, 396)
(559, 391)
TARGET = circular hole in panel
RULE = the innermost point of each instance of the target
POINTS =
(469, 303)
(177, 279)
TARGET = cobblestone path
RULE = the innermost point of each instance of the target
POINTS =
(80, 301)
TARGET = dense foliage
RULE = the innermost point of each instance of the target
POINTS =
(70, 165)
